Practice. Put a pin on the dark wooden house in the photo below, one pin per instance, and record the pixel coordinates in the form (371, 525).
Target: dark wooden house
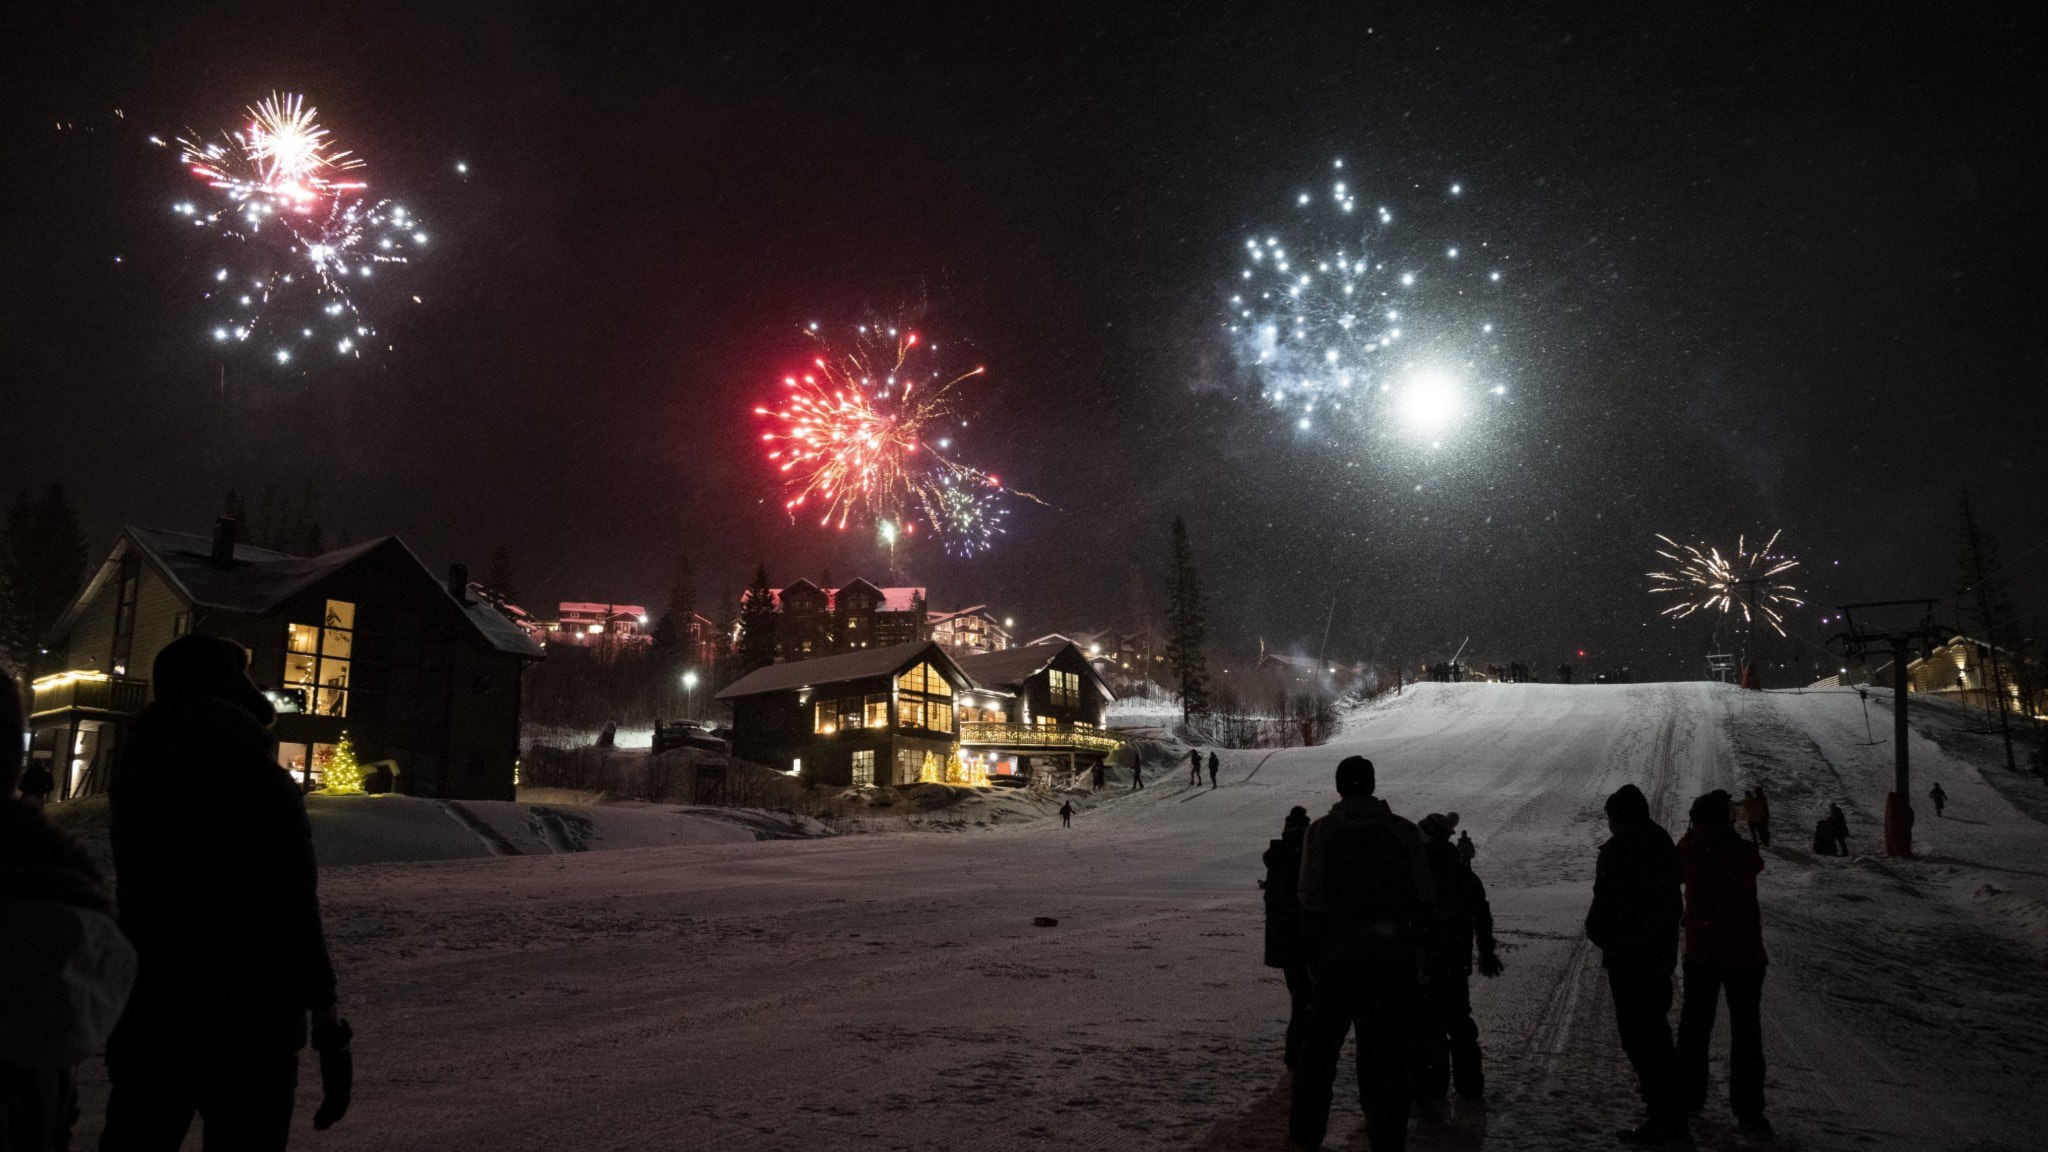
(871, 716)
(421, 674)
(1039, 709)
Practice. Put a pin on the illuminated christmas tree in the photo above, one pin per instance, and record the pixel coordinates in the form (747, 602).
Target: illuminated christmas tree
(343, 772)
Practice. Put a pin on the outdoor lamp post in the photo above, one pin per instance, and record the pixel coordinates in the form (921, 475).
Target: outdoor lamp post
(690, 692)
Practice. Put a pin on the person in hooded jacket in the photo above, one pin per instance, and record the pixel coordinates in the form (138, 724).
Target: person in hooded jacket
(1366, 893)
(64, 966)
(1724, 952)
(1634, 922)
(216, 881)
(1450, 1038)
(1285, 948)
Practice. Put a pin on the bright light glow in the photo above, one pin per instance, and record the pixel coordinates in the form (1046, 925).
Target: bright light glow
(1430, 401)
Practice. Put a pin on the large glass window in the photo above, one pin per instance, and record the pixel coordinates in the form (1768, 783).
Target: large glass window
(924, 700)
(926, 680)
(864, 768)
(877, 709)
(318, 658)
(826, 721)
(1066, 689)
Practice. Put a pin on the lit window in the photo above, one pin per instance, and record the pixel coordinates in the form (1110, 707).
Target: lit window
(317, 659)
(826, 718)
(877, 708)
(863, 768)
(1066, 689)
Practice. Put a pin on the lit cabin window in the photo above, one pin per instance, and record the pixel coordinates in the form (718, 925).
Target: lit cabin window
(924, 700)
(1066, 689)
(864, 768)
(318, 658)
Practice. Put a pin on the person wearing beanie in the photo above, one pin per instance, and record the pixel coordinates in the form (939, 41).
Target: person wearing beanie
(217, 887)
(1450, 1053)
(1724, 952)
(1366, 894)
(1284, 947)
(1634, 923)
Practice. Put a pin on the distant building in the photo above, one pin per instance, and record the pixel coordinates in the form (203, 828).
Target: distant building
(423, 676)
(916, 712)
(590, 623)
(973, 629)
(812, 621)
(1131, 655)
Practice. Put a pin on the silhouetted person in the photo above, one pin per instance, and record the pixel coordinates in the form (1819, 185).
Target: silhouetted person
(37, 783)
(1564, 673)
(217, 888)
(1724, 950)
(1137, 773)
(69, 968)
(1285, 948)
(1450, 1038)
(1838, 831)
(1212, 770)
(1195, 766)
(1466, 849)
(1067, 814)
(1760, 816)
(1634, 922)
(1100, 772)
(1939, 797)
(1366, 891)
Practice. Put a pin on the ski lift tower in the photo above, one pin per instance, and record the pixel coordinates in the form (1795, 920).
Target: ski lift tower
(1887, 624)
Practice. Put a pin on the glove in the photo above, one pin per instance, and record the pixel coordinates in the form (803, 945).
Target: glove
(1489, 964)
(337, 1072)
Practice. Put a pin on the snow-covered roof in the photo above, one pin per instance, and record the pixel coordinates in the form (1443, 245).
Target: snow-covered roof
(1009, 668)
(861, 665)
(260, 580)
(901, 599)
(594, 608)
(942, 617)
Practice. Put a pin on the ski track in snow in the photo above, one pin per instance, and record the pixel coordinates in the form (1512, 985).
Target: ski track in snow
(890, 992)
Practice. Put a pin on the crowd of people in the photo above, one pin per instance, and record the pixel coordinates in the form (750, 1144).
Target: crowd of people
(1378, 924)
(205, 986)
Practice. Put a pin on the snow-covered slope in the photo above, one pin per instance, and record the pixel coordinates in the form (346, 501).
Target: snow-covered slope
(892, 991)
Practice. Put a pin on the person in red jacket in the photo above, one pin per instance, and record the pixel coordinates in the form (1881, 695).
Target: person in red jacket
(1724, 950)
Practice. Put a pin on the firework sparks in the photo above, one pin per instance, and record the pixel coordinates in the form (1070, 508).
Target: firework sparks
(1346, 309)
(865, 436)
(1746, 581)
(300, 241)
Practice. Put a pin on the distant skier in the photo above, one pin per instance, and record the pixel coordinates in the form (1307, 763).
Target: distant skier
(1195, 767)
(1634, 922)
(1285, 948)
(1838, 830)
(1466, 849)
(1939, 797)
(1067, 814)
(1212, 770)
(1724, 954)
(1137, 773)
(1461, 918)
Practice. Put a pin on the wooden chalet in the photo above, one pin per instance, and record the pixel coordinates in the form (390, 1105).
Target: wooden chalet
(422, 675)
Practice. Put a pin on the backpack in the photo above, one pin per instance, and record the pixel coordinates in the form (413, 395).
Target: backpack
(67, 971)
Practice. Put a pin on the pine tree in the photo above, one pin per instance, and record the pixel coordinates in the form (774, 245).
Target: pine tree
(343, 773)
(42, 561)
(757, 623)
(1187, 630)
(1983, 605)
(499, 584)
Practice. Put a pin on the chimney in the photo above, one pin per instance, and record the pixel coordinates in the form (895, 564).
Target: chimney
(224, 541)
(458, 582)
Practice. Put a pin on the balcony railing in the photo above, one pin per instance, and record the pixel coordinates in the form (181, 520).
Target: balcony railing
(1065, 737)
(90, 692)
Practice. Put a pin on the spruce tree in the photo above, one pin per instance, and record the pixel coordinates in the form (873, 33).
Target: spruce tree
(757, 623)
(1984, 607)
(42, 562)
(498, 579)
(1187, 630)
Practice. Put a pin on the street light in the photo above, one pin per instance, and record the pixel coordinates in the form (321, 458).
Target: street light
(690, 692)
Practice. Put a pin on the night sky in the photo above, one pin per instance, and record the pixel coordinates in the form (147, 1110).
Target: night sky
(1774, 268)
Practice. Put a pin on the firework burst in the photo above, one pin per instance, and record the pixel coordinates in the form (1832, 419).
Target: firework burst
(1348, 308)
(1750, 582)
(299, 242)
(865, 436)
